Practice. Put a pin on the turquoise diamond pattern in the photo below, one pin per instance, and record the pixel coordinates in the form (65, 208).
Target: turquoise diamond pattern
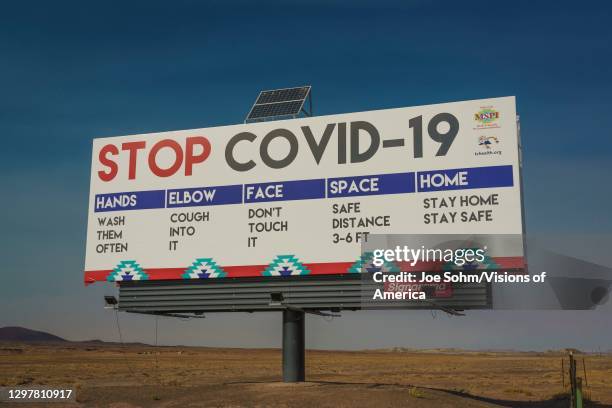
(204, 268)
(127, 271)
(285, 265)
(365, 264)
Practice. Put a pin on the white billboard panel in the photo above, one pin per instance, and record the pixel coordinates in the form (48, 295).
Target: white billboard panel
(299, 196)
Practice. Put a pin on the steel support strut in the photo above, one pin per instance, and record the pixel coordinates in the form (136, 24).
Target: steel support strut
(293, 345)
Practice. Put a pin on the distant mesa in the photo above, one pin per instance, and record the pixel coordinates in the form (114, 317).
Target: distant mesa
(21, 334)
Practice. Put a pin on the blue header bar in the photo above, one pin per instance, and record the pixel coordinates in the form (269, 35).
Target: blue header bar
(284, 191)
(202, 196)
(467, 178)
(396, 183)
(137, 200)
(378, 184)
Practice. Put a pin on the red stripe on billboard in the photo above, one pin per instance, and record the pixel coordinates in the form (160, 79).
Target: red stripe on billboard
(324, 268)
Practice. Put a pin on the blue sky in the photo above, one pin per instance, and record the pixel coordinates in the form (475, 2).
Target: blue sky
(73, 71)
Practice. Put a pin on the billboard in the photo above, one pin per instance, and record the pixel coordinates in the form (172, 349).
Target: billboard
(301, 196)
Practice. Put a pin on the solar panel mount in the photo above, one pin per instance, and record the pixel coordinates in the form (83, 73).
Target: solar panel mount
(281, 104)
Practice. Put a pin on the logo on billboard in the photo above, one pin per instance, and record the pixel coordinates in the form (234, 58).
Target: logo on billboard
(487, 146)
(486, 118)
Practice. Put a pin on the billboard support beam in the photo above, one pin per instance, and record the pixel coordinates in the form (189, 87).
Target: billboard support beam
(293, 345)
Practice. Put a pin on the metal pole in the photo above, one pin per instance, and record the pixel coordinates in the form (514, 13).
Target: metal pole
(293, 346)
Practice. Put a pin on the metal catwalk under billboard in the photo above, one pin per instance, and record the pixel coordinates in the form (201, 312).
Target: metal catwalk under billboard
(300, 196)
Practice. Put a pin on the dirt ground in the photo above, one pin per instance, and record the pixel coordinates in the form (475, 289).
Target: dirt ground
(143, 376)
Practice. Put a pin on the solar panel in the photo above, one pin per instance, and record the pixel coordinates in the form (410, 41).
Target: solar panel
(283, 95)
(279, 102)
(275, 109)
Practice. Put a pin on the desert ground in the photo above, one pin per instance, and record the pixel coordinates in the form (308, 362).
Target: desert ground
(144, 376)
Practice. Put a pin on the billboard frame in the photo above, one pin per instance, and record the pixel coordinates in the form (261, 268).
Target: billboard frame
(173, 298)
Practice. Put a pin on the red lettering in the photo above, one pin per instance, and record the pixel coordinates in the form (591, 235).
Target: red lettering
(190, 158)
(105, 161)
(133, 148)
(158, 171)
